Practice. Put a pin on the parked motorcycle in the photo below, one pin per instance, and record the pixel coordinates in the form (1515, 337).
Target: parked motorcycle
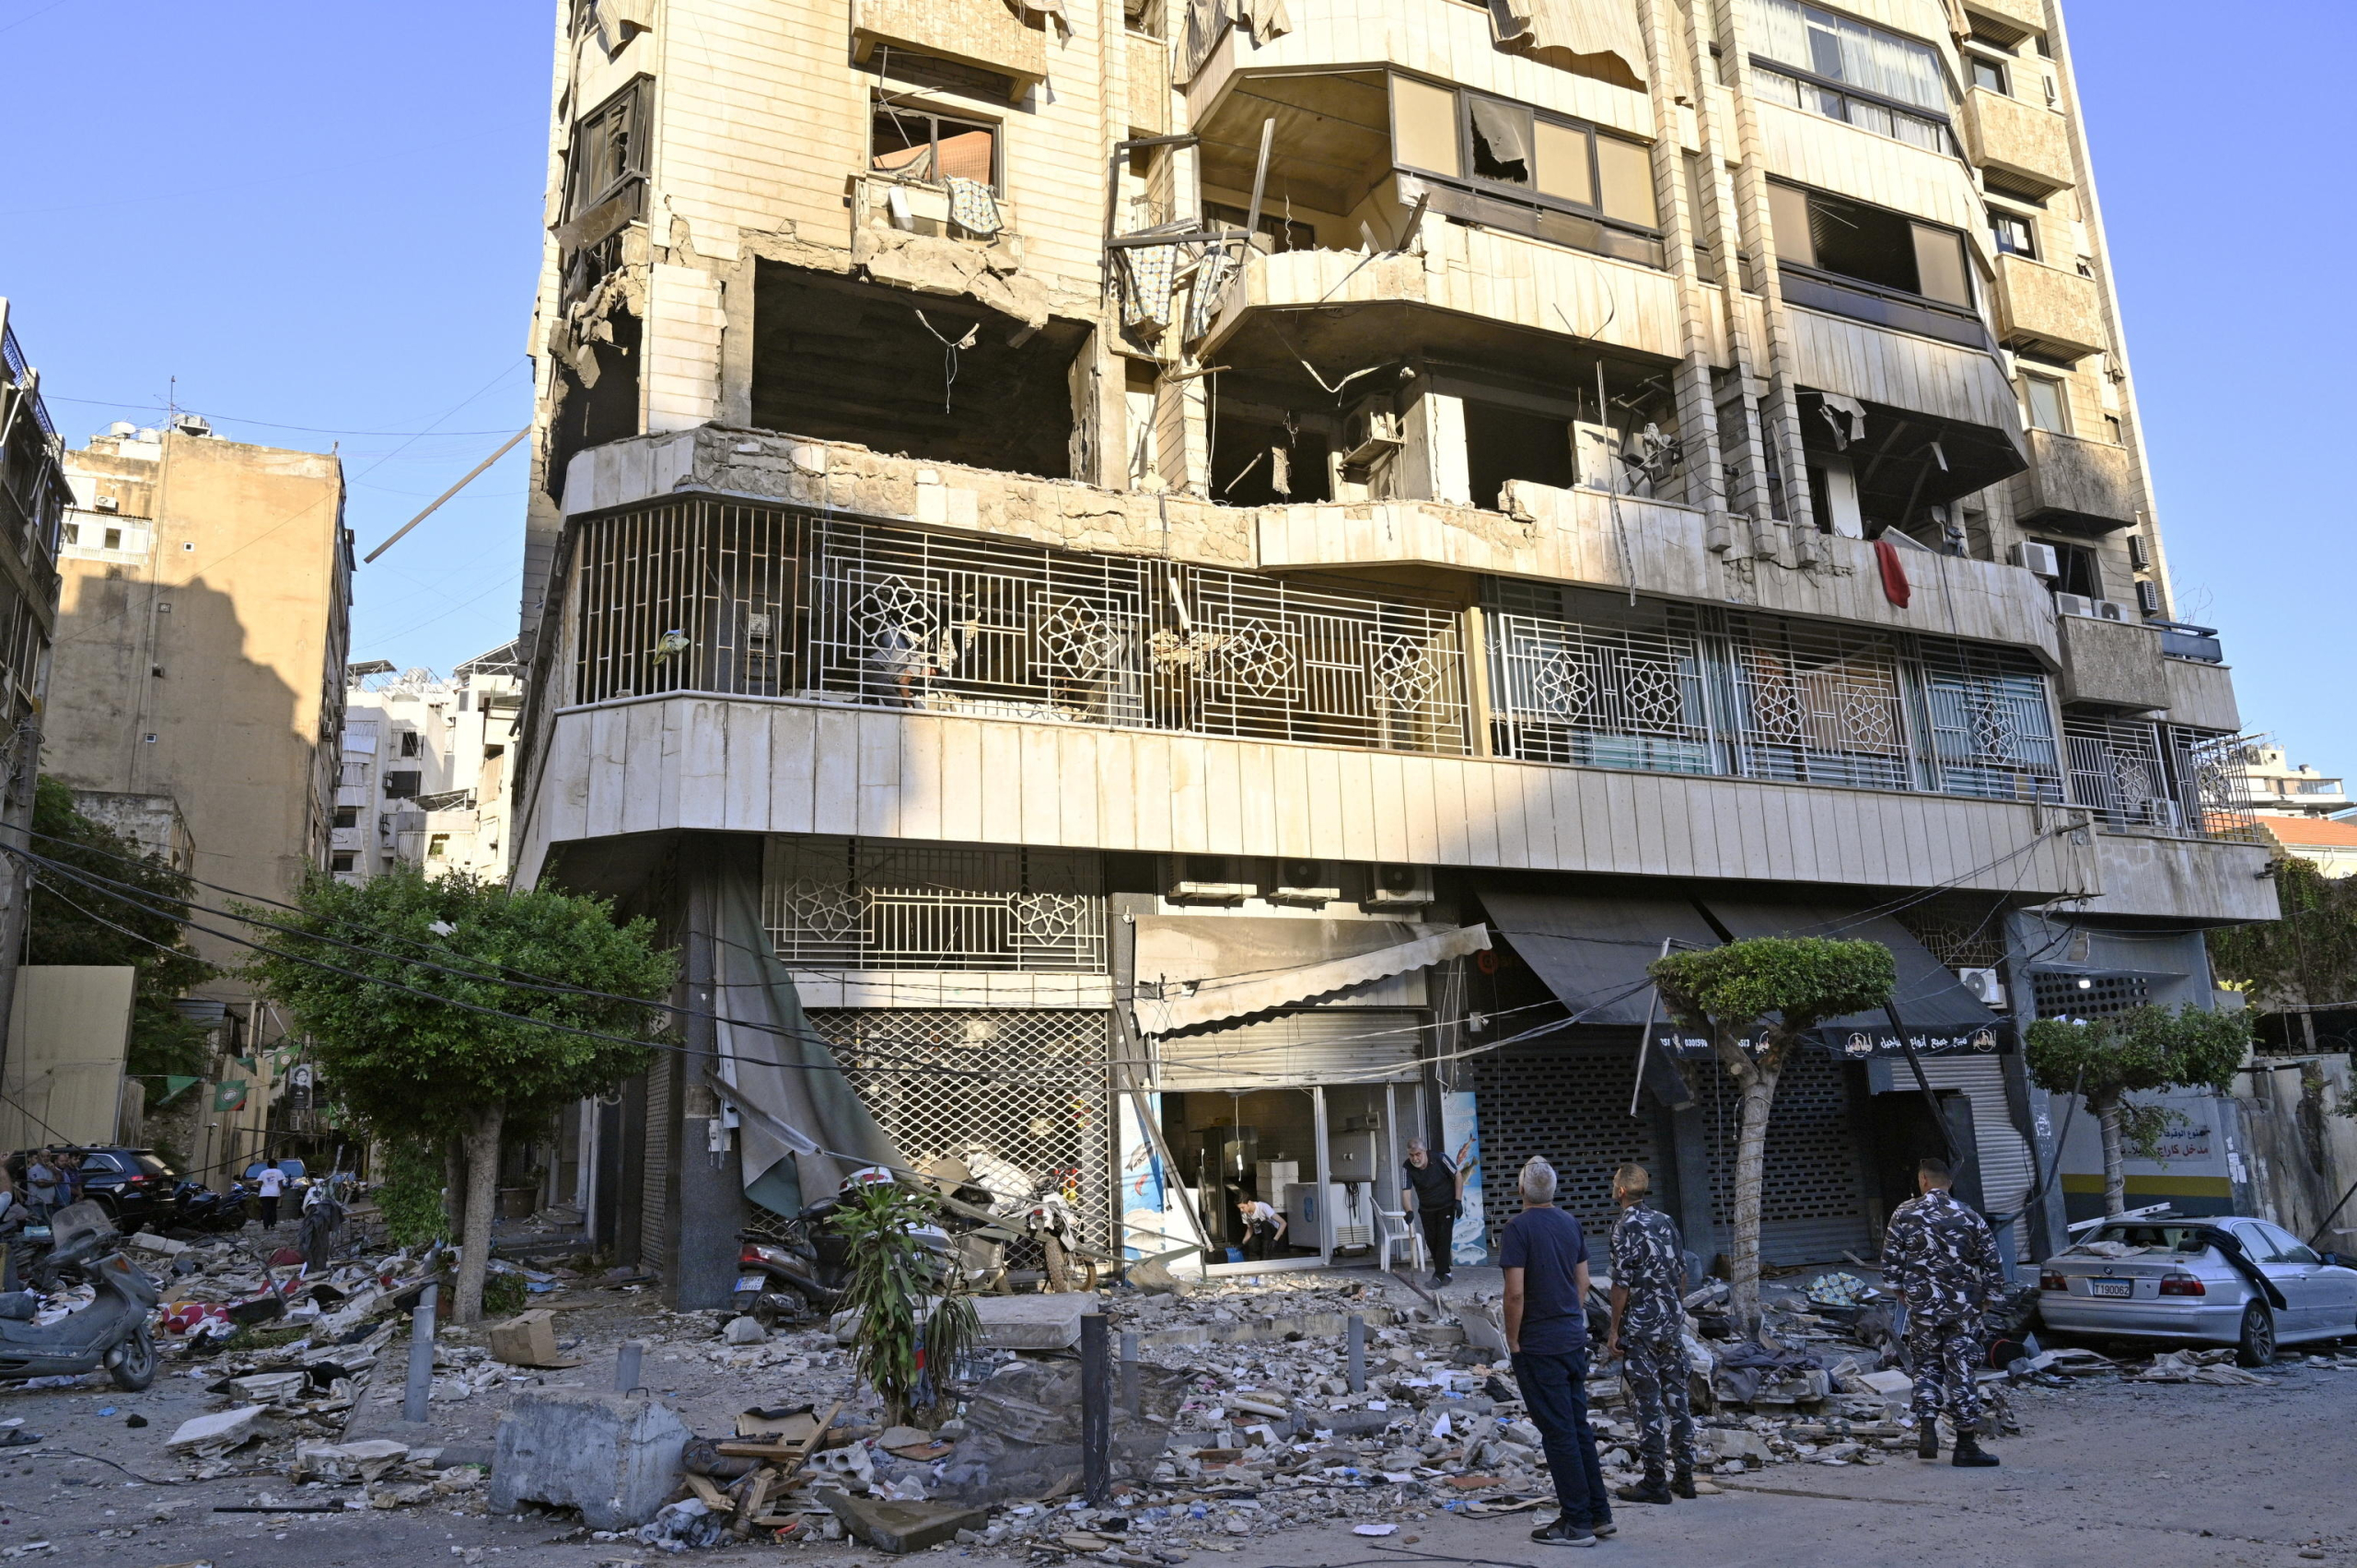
(1048, 1220)
(806, 1265)
(198, 1207)
(115, 1330)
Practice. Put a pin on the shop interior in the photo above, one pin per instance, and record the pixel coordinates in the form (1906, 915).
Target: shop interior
(1285, 1147)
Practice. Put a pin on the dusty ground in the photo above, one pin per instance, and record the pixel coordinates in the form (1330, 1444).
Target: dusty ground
(2104, 1473)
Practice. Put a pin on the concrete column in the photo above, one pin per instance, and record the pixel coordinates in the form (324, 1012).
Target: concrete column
(703, 1268)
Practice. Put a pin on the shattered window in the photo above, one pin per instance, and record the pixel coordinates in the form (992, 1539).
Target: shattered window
(914, 144)
(1501, 140)
(607, 150)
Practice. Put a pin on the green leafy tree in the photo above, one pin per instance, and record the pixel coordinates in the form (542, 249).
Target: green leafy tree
(411, 1066)
(1757, 1001)
(915, 1321)
(2148, 1050)
(2307, 955)
(69, 924)
(409, 1197)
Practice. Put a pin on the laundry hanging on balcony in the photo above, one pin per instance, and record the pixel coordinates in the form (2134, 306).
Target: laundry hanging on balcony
(1261, 21)
(972, 207)
(1598, 37)
(1895, 586)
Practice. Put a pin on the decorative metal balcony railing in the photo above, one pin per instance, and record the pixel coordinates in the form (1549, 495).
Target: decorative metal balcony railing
(1766, 698)
(2154, 778)
(706, 597)
(732, 599)
(868, 904)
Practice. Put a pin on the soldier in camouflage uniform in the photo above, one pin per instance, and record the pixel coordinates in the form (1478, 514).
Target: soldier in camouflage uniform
(1941, 1258)
(1649, 1333)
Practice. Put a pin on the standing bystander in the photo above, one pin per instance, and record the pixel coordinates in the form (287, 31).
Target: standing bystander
(1649, 1335)
(1439, 1190)
(269, 1185)
(1545, 1257)
(1944, 1262)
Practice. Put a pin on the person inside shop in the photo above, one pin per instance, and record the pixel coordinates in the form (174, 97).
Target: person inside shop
(1264, 1228)
(1438, 1187)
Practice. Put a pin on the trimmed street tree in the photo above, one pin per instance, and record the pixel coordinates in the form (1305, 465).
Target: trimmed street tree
(413, 1066)
(1757, 1001)
(2146, 1051)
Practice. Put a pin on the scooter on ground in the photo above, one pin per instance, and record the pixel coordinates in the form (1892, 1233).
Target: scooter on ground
(116, 1331)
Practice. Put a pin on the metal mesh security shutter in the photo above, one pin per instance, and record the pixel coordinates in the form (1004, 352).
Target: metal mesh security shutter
(1569, 1106)
(1811, 1202)
(655, 1208)
(1026, 1087)
(2007, 1171)
(1315, 1046)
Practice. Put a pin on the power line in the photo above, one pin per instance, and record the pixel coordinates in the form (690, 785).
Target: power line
(266, 424)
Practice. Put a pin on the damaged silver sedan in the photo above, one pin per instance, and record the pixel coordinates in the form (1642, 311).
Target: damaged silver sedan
(2227, 1279)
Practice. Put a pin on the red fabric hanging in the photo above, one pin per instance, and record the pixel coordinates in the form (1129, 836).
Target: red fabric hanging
(1894, 574)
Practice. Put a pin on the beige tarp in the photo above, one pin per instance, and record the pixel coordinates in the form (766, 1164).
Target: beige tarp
(1575, 33)
(1248, 994)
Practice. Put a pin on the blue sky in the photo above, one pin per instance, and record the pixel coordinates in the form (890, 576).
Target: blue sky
(328, 216)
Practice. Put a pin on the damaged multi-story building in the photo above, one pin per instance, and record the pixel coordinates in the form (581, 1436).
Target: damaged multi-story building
(1197, 590)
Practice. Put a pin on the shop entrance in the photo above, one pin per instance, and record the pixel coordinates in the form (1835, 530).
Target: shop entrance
(1326, 1157)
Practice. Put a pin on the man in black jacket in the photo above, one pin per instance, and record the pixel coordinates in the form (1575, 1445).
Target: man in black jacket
(1438, 1188)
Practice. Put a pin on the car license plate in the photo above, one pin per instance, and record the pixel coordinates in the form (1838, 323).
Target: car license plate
(751, 1282)
(2111, 1287)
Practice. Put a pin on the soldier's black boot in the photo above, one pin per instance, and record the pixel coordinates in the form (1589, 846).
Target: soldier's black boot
(1969, 1454)
(1681, 1483)
(1652, 1489)
(1927, 1440)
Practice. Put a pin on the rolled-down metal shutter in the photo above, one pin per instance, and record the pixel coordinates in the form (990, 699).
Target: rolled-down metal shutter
(1568, 1105)
(1812, 1195)
(2007, 1165)
(1313, 1046)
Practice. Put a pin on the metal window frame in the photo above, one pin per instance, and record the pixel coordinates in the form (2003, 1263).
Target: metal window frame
(635, 99)
(1524, 195)
(881, 103)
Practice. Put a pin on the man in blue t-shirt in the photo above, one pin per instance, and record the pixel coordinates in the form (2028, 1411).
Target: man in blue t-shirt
(1545, 1257)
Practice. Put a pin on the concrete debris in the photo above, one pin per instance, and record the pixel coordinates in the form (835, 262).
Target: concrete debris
(2198, 1367)
(901, 1527)
(745, 1331)
(614, 1456)
(209, 1437)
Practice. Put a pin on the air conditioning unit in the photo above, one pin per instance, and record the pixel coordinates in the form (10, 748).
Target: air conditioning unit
(2148, 598)
(2073, 604)
(107, 503)
(2112, 610)
(1595, 457)
(2037, 558)
(1987, 986)
(1370, 431)
(1399, 887)
(2137, 555)
(1308, 883)
(1207, 880)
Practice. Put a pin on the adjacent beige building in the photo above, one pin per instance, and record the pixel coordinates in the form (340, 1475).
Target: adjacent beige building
(1091, 506)
(199, 683)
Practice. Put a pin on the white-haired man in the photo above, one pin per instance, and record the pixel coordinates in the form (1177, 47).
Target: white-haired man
(1545, 1259)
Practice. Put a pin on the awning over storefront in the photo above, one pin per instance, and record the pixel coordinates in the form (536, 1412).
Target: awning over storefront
(1592, 949)
(1210, 970)
(1941, 1015)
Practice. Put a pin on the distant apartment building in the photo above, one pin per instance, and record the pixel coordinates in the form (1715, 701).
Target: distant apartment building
(197, 696)
(2263, 779)
(32, 507)
(1210, 584)
(424, 775)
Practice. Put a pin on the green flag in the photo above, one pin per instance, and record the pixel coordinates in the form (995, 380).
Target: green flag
(175, 1086)
(230, 1095)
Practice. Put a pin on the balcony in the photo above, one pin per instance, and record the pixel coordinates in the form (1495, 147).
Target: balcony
(1468, 287)
(976, 33)
(2138, 776)
(2058, 312)
(2115, 663)
(2027, 141)
(2202, 694)
(2090, 485)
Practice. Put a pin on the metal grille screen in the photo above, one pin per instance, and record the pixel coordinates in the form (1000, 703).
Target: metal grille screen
(1812, 1203)
(2064, 996)
(1024, 1087)
(1568, 1104)
(1320, 1045)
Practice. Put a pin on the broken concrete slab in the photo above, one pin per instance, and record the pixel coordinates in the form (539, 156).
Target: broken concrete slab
(901, 1527)
(1891, 1382)
(204, 1435)
(614, 1456)
(364, 1460)
(745, 1331)
(1033, 1322)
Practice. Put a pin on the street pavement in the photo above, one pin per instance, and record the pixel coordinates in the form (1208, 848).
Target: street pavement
(2107, 1474)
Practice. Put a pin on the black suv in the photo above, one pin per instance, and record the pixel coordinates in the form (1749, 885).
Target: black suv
(133, 1186)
